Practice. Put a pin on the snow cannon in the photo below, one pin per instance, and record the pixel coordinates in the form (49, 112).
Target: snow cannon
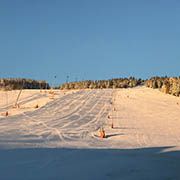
(16, 106)
(102, 133)
(37, 106)
(112, 125)
(6, 113)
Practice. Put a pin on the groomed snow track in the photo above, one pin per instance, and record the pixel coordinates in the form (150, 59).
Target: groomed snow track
(71, 119)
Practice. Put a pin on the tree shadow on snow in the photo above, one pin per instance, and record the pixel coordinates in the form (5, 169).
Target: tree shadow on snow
(61, 163)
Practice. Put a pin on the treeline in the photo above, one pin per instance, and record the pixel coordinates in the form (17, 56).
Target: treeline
(168, 85)
(103, 84)
(18, 83)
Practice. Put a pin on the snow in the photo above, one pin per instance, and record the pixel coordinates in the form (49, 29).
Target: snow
(60, 139)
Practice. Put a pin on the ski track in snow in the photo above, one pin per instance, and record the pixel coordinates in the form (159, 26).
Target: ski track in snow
(71, 118)
(60, 140)
(74, 119)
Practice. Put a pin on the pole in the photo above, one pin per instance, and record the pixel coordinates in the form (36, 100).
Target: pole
(67, 79)
(16, 103)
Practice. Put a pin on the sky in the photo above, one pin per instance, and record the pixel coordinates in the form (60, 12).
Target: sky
(89, 39)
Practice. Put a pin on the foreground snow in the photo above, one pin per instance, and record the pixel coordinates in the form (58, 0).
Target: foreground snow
(88, 164)
(60, 140)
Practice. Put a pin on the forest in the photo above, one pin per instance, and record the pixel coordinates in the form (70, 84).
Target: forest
(104, 84)
(20, 83)
(168, 85)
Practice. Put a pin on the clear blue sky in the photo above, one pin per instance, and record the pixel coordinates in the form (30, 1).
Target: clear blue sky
(89, 39)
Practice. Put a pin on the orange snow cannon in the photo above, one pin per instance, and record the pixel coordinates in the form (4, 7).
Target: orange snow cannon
(112, 125)
(36, 106)
(7, 113)
(102, 133)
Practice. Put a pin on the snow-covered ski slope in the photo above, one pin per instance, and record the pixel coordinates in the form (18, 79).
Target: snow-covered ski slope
(60, 140)
(141, 117)
(71, 120)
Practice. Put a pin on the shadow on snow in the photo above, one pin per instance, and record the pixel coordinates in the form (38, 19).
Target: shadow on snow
(62, 163)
